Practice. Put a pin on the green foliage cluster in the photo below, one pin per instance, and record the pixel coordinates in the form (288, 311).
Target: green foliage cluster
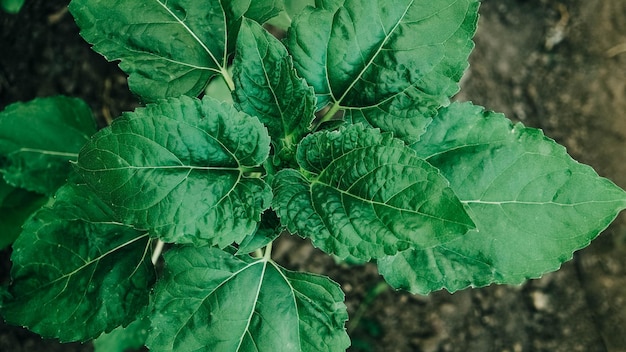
(342, 133)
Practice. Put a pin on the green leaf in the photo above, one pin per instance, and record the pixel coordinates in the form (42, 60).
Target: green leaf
(84, 273)
(533, 205)
(367, 195)
(123, 339)
(268, 87)
(11, 6)
(179, 168)
(39, 138)
(16, 205)
(210, 298)
(168, 48)
(389, 64)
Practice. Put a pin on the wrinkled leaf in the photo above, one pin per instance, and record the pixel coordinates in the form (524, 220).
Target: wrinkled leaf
(179, 168)
(39, 138)
(210, 298)
(533, 205)
(84, 273)
(16, 205)
(168, 48)
(390, 64)
(267, 87)
(367, 195)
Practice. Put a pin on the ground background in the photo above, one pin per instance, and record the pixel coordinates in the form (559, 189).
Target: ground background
(555, 65)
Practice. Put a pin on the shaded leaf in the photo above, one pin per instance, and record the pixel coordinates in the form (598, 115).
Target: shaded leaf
(533, 205)
(84, 273)
(179, 168)
(402, 57)
(210, 298)
(16, 205)
(168, 48)
(39, 138)
(268, 87)
(367, 195)
(11, 6)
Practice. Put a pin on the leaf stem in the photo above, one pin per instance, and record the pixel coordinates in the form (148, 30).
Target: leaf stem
(228, 79)
(329, 114)
(157, 251)
(268, 251)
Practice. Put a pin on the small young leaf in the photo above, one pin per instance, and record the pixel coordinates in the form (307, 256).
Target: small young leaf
(168, 48)
(16, 205)
(39, 138)
(211, 298)
(83, 273)
(532, 204)
(179, 168)
(267, 87)
(384, 60)
(368, 195)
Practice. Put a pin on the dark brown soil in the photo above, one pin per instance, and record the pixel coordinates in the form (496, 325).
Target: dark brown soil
(555, 65)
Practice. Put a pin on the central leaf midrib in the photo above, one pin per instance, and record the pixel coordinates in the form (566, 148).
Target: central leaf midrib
(377, 203)
(182, 167)
(373, 57)
(219, 64)
(90, 262)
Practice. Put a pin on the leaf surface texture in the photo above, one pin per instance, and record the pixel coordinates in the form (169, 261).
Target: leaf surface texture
(209, 297)
(389, 64)
(168, 48)
(367, 195)
(84, 274)
(178, 168)
(39, 138)
(533, 205)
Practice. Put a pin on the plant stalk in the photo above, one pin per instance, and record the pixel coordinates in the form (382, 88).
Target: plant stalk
(228, 79)
(329, 114)
(157, 251)
(268, 252)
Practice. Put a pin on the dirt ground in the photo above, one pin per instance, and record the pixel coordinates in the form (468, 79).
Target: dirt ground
(555, 65)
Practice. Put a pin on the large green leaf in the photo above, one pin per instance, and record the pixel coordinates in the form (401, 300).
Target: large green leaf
(367, 195)
(267, 87)
(179, 168)
(211, 300)
(39, 138)
(16, 205)
(390, 64)
(75, 272)
(168, 48)
(533, 205)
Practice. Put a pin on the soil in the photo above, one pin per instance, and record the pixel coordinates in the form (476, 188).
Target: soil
(555, 65)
